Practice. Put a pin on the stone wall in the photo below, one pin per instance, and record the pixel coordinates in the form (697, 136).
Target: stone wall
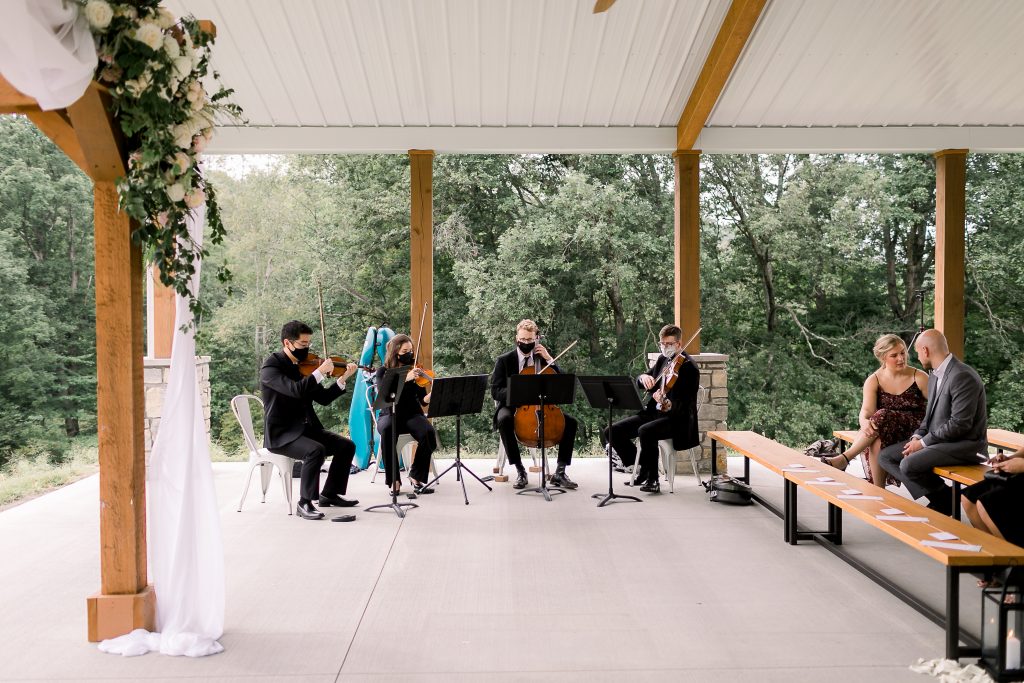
(714, 414)
(155, 375)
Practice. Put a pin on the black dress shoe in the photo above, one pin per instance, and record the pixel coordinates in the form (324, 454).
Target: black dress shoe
(521, 481)
(337, 501)
(307, 511)
(637, 480)
(651, 487)
(941, 502)
(420, 489)
(562, 480)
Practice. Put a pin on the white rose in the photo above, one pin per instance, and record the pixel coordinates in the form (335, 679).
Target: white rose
(182, 135)
(199, 143)
(150, 34)
(98, 13)
(139, 85)
(171, 47)
(175, 192)
(195, 198)
(195, 92)
(165, 18)
(182, 67)
(182, 162)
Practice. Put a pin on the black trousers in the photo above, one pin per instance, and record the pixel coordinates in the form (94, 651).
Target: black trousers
(507, 431)
(650, 428)
(312, 448)
(419, 427)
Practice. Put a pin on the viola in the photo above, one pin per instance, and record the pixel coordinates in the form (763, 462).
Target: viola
(527, 418)
(669, 375)
(424, 377)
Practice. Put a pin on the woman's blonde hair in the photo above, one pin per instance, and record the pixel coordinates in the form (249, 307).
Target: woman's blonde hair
(885, 344)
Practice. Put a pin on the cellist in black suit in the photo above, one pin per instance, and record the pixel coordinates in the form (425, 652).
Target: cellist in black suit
(667, 415)
(528, 353)
(291, 426)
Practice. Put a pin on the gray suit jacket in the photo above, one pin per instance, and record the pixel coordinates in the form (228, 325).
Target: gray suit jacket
(955, 419)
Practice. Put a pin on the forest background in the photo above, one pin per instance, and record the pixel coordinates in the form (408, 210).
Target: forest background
(805, 260)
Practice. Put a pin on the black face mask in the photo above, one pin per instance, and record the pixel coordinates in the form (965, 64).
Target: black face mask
(300, 354)
(406, 358)
(526, 347)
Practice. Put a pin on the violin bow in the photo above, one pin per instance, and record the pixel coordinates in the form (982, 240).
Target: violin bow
(419, 335)
(323, 330)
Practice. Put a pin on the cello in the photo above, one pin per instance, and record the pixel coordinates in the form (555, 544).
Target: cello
(528, 418)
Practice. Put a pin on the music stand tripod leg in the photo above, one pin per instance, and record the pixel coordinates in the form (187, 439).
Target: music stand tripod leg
(611, 495)
(457, 465)
(394, 505)
(543, 489)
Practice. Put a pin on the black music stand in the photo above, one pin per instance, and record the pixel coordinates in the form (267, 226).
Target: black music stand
(541, 390)
(458, 396)
(388, 391)
(613, 393)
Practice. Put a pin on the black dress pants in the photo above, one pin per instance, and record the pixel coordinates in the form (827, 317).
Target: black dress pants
(507, 431)
(419, 427)
(650, 428)
(312, 448)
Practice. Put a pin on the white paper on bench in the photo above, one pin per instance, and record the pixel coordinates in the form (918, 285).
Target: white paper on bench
(799, 469)
(796, 465)
(849, 497)
(824, 479)
(944, 536)
(953, 546)
(900, 518)
(851, 492)
(825, 483)
(892, 511)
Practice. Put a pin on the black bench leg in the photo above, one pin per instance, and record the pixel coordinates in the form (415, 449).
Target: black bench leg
(953, 613)
(835, 524)
(789, 517)
(956, 500)
(714, 458)
(746, 469)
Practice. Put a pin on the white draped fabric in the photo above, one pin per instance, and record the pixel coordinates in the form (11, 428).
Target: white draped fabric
(186, 552)
(46, 50)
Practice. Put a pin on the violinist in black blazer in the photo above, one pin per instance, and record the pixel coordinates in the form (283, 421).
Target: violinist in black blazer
(528, 353)
(408, 415)
(676, 418)
(291, 426)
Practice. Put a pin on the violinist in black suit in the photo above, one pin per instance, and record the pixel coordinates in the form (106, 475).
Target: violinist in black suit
(408, 416)
(528, 353)
(667, 415)
(291, 426)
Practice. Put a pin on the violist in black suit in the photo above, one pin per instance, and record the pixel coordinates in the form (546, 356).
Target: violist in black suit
(671, 414)
(291, 426)
(528, 353)
(408, 416)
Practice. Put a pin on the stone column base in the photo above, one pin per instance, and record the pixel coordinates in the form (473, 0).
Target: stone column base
(115, 615)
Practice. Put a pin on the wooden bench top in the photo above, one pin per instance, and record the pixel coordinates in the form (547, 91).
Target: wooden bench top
(771, 454)
(1001, 438)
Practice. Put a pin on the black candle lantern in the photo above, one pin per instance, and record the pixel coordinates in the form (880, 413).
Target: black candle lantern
(1002, 631)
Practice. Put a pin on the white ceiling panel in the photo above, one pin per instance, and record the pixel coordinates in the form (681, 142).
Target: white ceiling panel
(880, 63)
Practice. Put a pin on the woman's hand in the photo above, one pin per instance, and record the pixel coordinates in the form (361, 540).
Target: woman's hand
(411, 375)
(426, 399)
(1010, 466)
(871, 431)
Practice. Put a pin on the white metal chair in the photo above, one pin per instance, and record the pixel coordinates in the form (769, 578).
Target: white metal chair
(259, 456)
(669, 453)
(499, 466)
(406, 446)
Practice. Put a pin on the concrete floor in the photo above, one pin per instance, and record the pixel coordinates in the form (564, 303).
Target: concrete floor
(510, 588)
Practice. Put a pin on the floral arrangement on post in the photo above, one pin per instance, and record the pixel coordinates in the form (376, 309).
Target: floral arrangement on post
(154, 66)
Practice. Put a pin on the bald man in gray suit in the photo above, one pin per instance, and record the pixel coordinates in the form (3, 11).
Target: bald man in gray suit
(953, 431)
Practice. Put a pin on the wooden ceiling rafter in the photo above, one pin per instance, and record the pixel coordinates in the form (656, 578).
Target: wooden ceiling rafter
(732, 37)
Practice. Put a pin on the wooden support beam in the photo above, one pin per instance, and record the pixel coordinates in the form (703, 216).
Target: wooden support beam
(13, 101)
(124, 601)
(687, 245)
(732, 37)
(950, 207)
(99, 136)
(421, 251)
(56, 126)
(160, 316)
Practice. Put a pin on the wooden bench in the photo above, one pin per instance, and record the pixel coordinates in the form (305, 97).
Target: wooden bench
(995, 553)
(959, 475)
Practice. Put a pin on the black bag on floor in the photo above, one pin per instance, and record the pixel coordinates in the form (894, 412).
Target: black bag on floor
(724, 489)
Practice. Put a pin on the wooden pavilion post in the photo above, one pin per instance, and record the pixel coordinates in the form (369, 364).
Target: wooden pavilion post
(687, 245)
(421, 252)
(950, 209)
(160, 316)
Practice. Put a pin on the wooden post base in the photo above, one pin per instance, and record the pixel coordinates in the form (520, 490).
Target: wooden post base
(501, 478)
(115, 615)
(534, 468)
(495, 470)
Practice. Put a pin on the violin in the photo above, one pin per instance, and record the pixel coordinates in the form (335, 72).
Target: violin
(527, 418)
(669, 375)
(313, 361)
(424, 377)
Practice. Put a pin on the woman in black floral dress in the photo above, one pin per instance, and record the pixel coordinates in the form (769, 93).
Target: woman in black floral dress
(894, 402)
